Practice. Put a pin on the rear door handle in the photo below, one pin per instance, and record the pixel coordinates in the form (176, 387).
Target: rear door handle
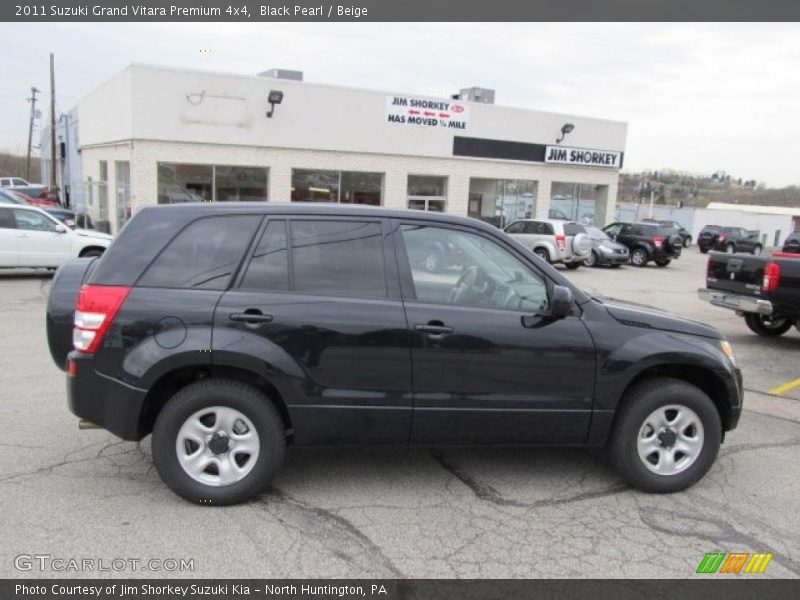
(251, 317)
(433, 329)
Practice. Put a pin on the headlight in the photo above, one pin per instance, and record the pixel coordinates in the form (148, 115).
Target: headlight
(726, 347)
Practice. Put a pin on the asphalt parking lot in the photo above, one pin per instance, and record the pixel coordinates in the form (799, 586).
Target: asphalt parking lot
(394, 512)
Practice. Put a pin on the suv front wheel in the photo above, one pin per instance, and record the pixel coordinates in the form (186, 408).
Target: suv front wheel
(666, 435)
(218, 442)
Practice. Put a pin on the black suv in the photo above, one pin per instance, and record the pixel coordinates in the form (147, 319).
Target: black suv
(646, 242)
(686, 235)
(792, 243)
(231, 330)
(729, 239)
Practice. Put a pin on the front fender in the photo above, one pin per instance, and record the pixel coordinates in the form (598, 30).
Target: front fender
(621, 366)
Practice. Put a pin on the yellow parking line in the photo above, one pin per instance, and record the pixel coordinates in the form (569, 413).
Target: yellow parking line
(785, 387)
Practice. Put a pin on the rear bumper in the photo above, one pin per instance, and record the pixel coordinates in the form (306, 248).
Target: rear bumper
(737, 302)
(107, 402)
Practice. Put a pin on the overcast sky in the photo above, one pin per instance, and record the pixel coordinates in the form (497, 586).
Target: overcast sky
(697, 97)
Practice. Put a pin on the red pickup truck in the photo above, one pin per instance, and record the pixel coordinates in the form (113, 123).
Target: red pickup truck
(765, 290)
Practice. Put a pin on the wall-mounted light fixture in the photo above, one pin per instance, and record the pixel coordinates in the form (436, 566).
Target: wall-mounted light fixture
(275, 97)
(565, 129)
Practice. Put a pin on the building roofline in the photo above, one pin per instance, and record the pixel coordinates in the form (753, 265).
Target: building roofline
(351, 88)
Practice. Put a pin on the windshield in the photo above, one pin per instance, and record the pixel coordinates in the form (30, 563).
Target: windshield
(597, 234)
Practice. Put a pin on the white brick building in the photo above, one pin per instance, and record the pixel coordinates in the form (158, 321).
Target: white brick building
(153, 134)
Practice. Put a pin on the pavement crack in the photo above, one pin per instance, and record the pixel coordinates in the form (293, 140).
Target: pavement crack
(716, 531)
(338, 535)
(484, 491)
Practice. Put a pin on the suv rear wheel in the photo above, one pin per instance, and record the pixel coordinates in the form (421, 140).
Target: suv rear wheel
(639, 257)
(767, 326)
(543, 254)
(730, 248)
(218, 441)
(666, 435)
(687, 241)
(591, 260)
(757, 249)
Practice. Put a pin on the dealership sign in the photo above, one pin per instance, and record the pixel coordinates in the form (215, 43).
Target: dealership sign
(427, 112)
(563, 155)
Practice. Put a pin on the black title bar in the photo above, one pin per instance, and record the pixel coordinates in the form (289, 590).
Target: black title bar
(401, 10)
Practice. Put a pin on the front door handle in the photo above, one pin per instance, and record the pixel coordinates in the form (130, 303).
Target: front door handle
(434, 328)
(251, 316)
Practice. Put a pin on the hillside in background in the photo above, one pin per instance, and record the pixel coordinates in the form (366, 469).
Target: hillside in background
(14, 166)
(688, 189)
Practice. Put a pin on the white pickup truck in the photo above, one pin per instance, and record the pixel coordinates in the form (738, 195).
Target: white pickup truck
(29, 237)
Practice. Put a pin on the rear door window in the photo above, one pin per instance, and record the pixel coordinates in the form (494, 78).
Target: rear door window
(204, 255)
(269, 266)
(517, 227)
(338, 258)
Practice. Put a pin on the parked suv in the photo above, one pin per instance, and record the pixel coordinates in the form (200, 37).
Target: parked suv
(792, 243)
(231, 330)
(686, 235)
(729, 239)
(647, 242)
(553, 240)
(30, 237)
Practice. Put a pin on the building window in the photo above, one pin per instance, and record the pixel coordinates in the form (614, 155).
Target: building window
(179, 183)
(240, 184)
(501, 201)
(584, 202)
(122, 178)
(346, 187)
(427, 193)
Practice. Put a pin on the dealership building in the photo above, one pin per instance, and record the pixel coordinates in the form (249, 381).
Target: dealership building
(162, 135)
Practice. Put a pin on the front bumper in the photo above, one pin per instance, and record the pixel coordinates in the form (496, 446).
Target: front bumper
(614, 258)
(103, 400)
(737, 302)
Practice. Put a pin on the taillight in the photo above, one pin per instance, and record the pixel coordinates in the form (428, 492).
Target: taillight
(722, 237)
(97, 306)
(561, 242)
(657, 239)
(772, 274)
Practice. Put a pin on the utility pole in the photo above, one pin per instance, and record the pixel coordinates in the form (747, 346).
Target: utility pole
(32, 100)
(53, 180)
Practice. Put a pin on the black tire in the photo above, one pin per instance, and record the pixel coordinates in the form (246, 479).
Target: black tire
(757, 249)
(640, 402)
(663, 262)
(246, 399)
(703, 250)
(639, 257)
(542, 253)
(616, 266)
(592, 260)
(730, 248)
(574, 265)
(687, 241)
(91, 252)
(433, 261)
(767, 326)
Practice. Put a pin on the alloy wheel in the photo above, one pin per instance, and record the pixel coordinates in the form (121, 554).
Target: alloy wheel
(670, 439)
(217, 446)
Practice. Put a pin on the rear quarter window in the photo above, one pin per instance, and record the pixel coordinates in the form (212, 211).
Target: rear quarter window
(204, 255)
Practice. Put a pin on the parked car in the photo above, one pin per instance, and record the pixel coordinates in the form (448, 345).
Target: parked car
(29, 237)
(686, 235)
(8, 197)
(792, 243)
(230, 330)
(553, 240)
(70, 219)
(646, 242)
(605, 251)
(34, 190)
(729, 239)
(765, 290)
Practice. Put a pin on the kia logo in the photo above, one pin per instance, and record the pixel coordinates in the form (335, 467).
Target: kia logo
(457, 108)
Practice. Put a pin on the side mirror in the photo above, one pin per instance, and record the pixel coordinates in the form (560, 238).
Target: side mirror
(561, 303)
(59, 228)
